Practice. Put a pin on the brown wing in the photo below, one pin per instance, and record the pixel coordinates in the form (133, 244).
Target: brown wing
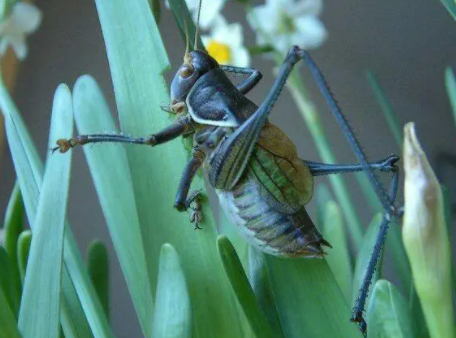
(286, 181)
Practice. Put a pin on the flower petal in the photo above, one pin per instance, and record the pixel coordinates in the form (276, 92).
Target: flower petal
(307, 7)
(26, 16)
(311, 32)
(241, 58)
(20, 48)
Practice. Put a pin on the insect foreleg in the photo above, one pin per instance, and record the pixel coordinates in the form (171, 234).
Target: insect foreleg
(357, 315)
(179, 127)
(245, 86)
(319, 169)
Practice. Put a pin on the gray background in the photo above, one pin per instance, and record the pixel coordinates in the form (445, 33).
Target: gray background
(406, 43)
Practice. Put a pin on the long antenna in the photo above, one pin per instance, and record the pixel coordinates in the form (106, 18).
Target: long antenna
(195, 46)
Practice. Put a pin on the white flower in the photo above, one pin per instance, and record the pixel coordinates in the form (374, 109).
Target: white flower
(23, 20)
(284, 23)
(226, 43)
(209, 11)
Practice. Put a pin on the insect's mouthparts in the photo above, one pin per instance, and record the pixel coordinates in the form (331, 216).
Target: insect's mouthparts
(178, 107)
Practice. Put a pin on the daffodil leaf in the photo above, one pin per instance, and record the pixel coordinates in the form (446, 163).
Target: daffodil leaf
(172, 315)
(386, 108)
(184, 22)
(7, 319)
(43, 278)
(322, 196)
(338, 257)
(140, 90)
(239, 243)
(29, 170)
(242, 288)
(259, 279)
(388, 313)
(156, 10)
(98, 267)
(73, 320)
(450, 7)
(115, 191)
(305, 293)
(14, 222)
(364, 256)
(23, 249)
(5, 279)
(450, 83)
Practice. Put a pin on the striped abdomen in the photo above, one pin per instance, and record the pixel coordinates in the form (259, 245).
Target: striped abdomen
(271, 231)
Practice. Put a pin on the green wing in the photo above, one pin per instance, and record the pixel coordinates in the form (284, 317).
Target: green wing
(286, 182)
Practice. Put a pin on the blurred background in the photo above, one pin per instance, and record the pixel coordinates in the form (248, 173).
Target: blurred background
(407, 44)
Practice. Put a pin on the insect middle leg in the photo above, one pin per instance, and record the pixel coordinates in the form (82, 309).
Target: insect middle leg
(184, 199)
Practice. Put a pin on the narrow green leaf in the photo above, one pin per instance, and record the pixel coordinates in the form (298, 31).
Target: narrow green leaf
(8, 326)
(450, 83)
(259, 279)
(5, 279)
(43, 277)
(338, 257)
(242, 288)
(364, 256)
(23, 249)
(323, 196)
(388, 313)
(184, 22)
(306, 294)
(172, 316)
(450, 7)
(156, 9)
(13, 225)
(239, 243)
(73, 320)
(29, 170)
(386, 108)
(98, 267)
(115, 192)
(128, 27)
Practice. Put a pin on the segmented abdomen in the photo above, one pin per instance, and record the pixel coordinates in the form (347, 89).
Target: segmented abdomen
(270, 231)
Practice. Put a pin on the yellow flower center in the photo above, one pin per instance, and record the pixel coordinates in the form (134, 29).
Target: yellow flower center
(219, 51)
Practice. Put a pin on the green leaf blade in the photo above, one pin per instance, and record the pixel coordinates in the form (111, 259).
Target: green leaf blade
(8, 324)
(364, 256)
(172, 316)
(306, 292)
(338, 257)
(29, 170)
(450, 84)
(14, 222)
(43, 278)
(242, 289)
(388, 313)
(115, 192)
(128, 27)
(98, 267)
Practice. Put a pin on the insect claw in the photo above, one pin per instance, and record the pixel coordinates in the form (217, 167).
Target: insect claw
(325, 243)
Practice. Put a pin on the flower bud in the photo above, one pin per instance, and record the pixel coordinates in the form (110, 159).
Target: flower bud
(425, 238)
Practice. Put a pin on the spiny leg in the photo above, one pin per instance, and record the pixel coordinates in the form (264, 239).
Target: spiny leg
(234, 154)
(179, 127)
(386, 201)
(357, 315)
(249, 83)
(319, 169)
(183, 198)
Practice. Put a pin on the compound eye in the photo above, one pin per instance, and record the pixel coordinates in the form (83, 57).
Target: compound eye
(186, 70)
